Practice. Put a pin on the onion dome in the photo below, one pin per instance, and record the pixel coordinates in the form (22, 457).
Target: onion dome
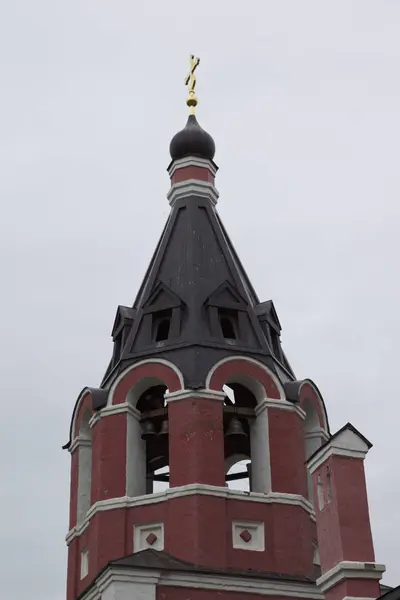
(192, 141)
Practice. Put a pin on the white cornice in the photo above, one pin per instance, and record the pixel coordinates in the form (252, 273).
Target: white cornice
(350, 570)
(317, 433)
(345, 443)
(191, 161)
(219, 582)
(192, 187)
(190, 490)
(79, 442)
(281, 404)
(318, 460)
(185, 394)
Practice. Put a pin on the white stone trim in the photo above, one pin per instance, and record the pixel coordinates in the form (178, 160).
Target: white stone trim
(317, 433)
(281, 404)
(193, 187)
(185, 394)
(140, 532)
(121, 376)
(347, 444)
(230, 583)
(190, 490)
(249, 360)
(255, 529)
(320, 401)
(350, 570)
(357, 598)
(191, 161)
(79, 441)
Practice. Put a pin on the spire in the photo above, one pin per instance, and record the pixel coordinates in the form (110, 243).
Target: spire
(192, 140)
(196, 304)
(190, 81)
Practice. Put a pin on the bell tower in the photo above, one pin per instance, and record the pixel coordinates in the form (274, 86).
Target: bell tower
(197, 383)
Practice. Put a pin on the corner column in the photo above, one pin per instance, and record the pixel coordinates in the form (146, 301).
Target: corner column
(343, 525)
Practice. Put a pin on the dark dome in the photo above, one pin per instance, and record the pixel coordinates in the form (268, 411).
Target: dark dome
(192, 141)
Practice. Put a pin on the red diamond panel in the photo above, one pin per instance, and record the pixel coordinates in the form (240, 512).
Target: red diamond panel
(245, 535)
(151, 538)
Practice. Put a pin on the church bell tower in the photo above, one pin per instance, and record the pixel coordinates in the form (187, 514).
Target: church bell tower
(198, 382)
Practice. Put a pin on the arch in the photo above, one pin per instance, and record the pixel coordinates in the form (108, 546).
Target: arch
(309, 395)
(260, 384)
(142, 375)
(248, 372)
(97, 399)
(83, 404)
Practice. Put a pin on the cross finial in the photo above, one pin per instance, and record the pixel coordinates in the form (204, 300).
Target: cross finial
(190, 81)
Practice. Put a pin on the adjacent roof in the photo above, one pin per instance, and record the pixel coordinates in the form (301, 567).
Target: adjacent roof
(160, 560)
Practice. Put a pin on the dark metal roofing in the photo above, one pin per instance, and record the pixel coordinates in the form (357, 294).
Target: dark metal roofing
(195, 260)
(161, 560)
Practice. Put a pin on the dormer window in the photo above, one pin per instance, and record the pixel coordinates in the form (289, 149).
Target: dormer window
(276, 346)
(228, 321)
(162, 325)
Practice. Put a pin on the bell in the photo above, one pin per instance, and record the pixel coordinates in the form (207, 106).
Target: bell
(164, 428)
(148, 430)
(235, 429)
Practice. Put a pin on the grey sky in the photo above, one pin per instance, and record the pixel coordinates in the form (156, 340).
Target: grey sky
(302, 98)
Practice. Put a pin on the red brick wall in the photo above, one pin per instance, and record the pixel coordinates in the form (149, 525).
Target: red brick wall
(196, 442)
(109, 458)
(192, 172)
(344, 530)
(356, 588)
(287, 454)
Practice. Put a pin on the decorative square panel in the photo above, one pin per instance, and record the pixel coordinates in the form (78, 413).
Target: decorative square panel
(248, 535)
(150, 535)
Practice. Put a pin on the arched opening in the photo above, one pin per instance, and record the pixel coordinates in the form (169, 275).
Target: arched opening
(154, 432)
(239, 416)
(84, 466)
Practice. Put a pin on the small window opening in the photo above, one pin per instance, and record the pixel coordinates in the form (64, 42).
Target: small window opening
(276, 348)
(320, 493)
(328, 486)
(162, 325)
(163, 330)
(229, 324)
(84, 563)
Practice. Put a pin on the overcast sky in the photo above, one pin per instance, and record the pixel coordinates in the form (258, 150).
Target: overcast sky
(302, 98)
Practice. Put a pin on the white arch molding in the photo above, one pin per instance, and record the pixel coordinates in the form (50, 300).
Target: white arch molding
(159, 361)
(258, 389)
(135, 482)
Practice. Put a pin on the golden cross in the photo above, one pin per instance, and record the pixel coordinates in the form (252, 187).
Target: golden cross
(190, 81)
